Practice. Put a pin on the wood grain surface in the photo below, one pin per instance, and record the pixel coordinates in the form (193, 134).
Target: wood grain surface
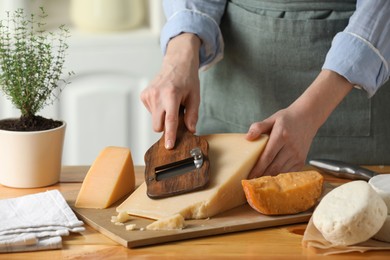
(281, 242)
(238, 219)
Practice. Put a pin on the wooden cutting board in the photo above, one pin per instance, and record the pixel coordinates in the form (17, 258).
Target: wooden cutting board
(238, 219)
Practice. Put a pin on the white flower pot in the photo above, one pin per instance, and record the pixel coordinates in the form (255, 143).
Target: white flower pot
(31, 159)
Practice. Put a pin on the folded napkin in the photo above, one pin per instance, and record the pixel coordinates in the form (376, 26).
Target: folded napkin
(313, 238)
(36, 222)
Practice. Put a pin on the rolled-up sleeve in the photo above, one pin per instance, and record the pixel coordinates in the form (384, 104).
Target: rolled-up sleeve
(361, 53)
(199, 17)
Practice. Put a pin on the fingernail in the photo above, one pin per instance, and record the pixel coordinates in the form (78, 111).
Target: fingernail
(193, 127)
(169, 144)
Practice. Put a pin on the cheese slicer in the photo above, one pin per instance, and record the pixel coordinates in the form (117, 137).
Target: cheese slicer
(183, 169)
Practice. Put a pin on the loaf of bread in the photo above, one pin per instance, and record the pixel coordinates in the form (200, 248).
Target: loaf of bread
(286, 193)
(350, 214)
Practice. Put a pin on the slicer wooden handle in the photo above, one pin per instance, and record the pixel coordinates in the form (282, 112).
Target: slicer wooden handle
(158, 157)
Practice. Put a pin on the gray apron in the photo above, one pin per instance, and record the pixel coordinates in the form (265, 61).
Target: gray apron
(273, 52)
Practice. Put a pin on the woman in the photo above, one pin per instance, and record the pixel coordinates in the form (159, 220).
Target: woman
(270, 78)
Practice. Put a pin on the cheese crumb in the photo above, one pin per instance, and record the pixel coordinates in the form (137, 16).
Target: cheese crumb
(120, 219)
(169, 223)
(130, 227)
(123, 217)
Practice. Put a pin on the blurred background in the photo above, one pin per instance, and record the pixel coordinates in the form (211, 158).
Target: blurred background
(114, 52)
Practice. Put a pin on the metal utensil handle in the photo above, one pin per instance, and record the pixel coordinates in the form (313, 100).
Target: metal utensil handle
(343, 169)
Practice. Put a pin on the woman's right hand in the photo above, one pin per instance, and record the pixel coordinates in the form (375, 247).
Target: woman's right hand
(176, 84)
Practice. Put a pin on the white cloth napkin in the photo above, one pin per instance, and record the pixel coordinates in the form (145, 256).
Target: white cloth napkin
(36, 222)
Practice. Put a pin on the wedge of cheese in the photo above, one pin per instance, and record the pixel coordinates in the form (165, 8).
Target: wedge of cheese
(286, 193)
(231, 159)
(110, 178)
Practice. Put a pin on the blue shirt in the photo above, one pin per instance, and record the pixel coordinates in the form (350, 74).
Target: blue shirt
(360, 53)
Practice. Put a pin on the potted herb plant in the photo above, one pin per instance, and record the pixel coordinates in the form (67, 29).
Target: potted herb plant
(31, 77)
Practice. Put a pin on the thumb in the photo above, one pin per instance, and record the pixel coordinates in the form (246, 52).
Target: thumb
(259, 128)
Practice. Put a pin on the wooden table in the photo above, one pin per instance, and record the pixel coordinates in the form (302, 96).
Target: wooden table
(267, 243)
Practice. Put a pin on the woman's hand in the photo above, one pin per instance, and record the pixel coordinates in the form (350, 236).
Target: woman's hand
(292, 130)
(290, 137)
(176, 84)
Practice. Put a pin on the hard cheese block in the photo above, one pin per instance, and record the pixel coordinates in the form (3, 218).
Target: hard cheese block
(286, 193)
(231, 159)
(110, 177)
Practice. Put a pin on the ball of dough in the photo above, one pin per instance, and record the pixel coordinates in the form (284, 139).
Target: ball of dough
(381, 184)
(350, 214)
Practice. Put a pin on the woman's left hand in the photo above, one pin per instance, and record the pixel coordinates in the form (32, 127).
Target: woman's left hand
(291, 130)
(290, 138)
